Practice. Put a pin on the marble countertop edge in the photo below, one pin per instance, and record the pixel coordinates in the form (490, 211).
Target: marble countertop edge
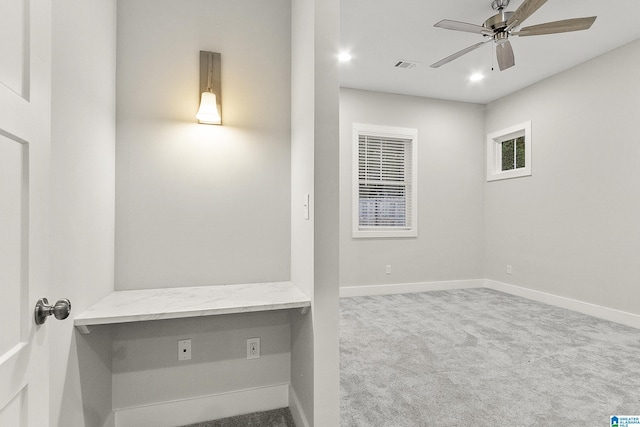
(127, 318)
(188, 302)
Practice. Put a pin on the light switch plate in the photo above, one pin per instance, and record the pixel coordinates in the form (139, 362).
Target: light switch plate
(306, 206)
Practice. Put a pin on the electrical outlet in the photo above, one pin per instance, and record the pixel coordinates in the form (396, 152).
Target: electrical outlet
(253, 348)
(184, 350)
(508, 269)
(388, 269)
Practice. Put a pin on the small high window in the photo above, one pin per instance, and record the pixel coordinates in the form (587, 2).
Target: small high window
(384, 181)
(513, 154)
(509, 152)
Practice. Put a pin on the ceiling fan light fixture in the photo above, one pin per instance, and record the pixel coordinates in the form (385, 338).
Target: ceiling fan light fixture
(500, 26)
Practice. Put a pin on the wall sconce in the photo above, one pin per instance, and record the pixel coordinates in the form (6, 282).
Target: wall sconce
(210, 111)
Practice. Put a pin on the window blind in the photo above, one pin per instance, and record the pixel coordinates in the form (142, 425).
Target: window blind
(384, 182)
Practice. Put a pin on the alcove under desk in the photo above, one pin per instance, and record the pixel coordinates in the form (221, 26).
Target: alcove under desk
(184, 302)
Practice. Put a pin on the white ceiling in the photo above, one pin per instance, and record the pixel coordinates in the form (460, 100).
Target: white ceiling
(378, 33)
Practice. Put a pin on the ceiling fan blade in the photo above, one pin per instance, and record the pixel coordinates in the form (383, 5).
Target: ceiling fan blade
(463, 26)
(525, 10)
(564, 26)
(458, 54)
(504, 52)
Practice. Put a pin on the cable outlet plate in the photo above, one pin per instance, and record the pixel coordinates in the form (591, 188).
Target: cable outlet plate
(253, 348)
(184, 350)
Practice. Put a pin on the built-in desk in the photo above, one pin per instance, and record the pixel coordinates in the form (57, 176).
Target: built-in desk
(177, 303)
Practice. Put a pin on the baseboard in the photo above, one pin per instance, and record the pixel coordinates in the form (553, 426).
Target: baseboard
(295, 407)
(594, 310)
(110, 422)
(204, 408)
(408, 288)
(601, 312)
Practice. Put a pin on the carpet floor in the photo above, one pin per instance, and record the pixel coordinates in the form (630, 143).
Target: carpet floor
(478, 357)
(275, 418)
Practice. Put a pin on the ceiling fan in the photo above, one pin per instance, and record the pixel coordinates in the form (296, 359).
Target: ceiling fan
(501, 26)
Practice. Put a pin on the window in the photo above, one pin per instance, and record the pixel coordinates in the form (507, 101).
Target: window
(513, 154)
(509, 152)
(384, 181)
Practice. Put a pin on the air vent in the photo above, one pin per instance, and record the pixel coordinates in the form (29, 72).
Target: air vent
(405, 64)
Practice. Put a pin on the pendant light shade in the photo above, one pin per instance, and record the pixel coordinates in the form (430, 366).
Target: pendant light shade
(208, 112)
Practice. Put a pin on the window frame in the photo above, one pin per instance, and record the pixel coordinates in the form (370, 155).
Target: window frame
(494, 152)
(378, 131)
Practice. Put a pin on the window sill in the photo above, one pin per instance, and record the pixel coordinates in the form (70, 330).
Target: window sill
(496, 176)
(382, 234)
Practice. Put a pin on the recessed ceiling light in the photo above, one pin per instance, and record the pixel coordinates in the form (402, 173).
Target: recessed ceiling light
(476, 77)
(344, 57)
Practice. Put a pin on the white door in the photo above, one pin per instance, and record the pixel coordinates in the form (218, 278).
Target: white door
(25, 111)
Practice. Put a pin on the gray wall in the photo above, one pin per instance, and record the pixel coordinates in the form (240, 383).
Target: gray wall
(302, 181)
(568, 230)
(571, 229)
(146, 369)
(451, 192)
(201, 205)
(314, 165)
(197, 204)
(82, 185)
(325, 210)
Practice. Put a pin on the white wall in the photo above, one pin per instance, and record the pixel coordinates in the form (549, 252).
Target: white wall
(195, 204)
(82, 204)
(571, 229)
(449, 245)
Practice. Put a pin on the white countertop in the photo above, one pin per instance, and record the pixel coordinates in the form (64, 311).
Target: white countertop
(174, 303)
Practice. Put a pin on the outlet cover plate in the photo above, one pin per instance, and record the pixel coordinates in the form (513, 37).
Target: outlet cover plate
(184, 350)
(253, 348)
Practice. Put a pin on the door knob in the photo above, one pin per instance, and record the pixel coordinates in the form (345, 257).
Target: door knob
(60, 310)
